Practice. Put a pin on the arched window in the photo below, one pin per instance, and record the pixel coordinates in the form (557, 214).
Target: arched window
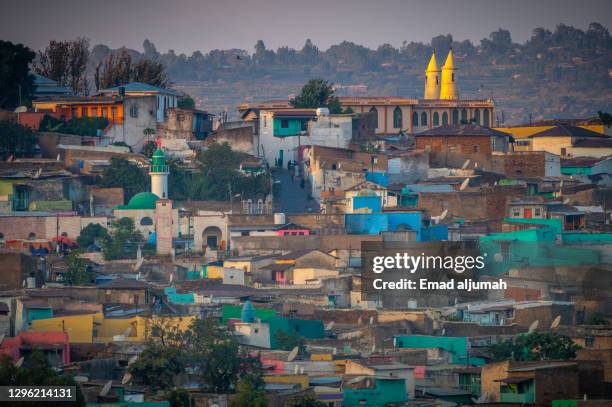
(375, 111)
(444, 119)
(464, 115)
(455, 116)
(437, 80)
(477, 116)
(485, 118)
(397, 117)
(415, 119)
(146, 221)
(436, 119)
(423, 119)
(453, 77)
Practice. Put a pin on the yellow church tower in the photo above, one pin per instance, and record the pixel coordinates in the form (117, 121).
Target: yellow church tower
(448, 89)
(432, 79)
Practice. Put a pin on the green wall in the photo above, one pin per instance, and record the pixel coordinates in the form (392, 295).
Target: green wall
(293, 129)
(385, 391)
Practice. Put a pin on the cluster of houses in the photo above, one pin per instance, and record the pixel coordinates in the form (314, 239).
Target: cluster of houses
(537, 199)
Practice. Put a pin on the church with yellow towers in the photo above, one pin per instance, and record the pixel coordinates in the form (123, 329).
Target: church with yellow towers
(440, 105)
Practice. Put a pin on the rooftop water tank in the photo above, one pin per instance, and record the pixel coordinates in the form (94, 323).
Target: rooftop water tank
(322, 111)
(279, 218)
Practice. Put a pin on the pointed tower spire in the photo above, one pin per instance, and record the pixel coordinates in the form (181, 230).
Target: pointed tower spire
(448, 89)
(432, 79)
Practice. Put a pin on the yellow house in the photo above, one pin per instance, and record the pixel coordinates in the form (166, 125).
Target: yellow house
(522, 134)
(94, 328)
(572, 141)
(302, 379)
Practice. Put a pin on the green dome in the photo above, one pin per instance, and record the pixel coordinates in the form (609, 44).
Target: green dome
(142, 200)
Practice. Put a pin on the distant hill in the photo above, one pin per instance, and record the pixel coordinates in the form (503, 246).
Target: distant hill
(566, 73)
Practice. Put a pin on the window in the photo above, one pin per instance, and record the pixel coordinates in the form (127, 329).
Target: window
(476, 148)
(134, 110)
(444, 119)
(453, 77)
(415, 119)
(516, 212)
(436, 119)
(146, 221)
(455, 116)
(537, 212)
(464, 115)
(104, 111)
(589, 341)
(477, 116)
(375, 111)
(284, 124)
(423, 119)
(523, 143)
(93, 112)
(180, 117)
(397, 117)
(83, 112)
(485, 118)
(265, 121)
(437, 82)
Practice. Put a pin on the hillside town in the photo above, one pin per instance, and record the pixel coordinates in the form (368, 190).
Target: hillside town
(154, 254)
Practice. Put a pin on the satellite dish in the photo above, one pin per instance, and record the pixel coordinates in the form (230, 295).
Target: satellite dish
(106, 388)
(372, 320)
(356, 380)
(464, 184)
(19, 362)
(566, 201)
(533, 326)
(21, 109)
(444, 214)
(335, 351)
(330, 326)
(132, 360)
(465, 164)
(58, 157)
(301, 369)
(126, 378)
(171, 279)
(555, 322)
(292, 354)
(373, 347)
(81, 379)
(128, 331)
(296, 369)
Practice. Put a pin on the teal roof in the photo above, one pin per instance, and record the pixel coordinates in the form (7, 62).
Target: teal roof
(142, 200)
(140, 87)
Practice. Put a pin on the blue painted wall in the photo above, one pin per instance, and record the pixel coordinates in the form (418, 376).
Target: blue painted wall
(372, 202)
(380, 178)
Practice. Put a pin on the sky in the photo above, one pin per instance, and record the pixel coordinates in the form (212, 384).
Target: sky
(189, 25)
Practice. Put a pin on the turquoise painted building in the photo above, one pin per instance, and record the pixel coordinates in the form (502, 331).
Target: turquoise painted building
(456, 346)
(384, 390)
(539, 247)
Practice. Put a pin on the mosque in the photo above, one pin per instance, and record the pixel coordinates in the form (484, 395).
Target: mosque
(440, 105)
(162, 223)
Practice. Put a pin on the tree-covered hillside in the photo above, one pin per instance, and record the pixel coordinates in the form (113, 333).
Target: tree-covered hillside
(560, 73)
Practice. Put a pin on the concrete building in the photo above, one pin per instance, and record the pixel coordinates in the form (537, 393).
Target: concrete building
(572, 141)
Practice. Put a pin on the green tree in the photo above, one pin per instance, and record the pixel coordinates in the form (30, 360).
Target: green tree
(536, 346)
(305, 401)
(36, 372)
(178, 398)
(186, 102)
(92, 233)
(148, 149)
(317, 93)
(16, 140)
(125, 174)
(605, 117)
(123, 241)
(80, 126)
(288, 341)
(248, 395)
(79, 271)
(596, 318)
(157, 366)
(15, 75)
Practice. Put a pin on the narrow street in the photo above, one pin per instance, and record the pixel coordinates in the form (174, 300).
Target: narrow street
(290, 198)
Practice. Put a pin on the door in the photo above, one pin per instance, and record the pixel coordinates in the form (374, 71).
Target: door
(527, 213)
(280, 158)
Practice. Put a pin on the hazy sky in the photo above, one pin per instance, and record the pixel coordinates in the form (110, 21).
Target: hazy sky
(188, 25)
